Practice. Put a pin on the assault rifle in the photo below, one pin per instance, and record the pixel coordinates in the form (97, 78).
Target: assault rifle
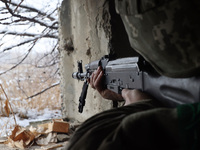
(135, 73)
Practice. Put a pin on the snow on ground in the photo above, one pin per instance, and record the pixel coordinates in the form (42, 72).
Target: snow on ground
(32, 115)
(7, 123)
(43, 107)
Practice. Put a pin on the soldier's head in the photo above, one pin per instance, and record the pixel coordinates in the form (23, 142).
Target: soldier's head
(165, 32)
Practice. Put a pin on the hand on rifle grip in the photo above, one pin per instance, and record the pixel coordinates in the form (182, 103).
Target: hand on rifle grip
(96, 79)
(97, 82)
(130, 96)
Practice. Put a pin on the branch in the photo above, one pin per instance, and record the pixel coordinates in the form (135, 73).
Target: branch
(44, 90)
(13, 67)
(13, 21)
(18, 5)
(22, 43)
(33, 10)
(54, 62)
(4, 19)
(26, 18)
(21, 88)
(29, 34)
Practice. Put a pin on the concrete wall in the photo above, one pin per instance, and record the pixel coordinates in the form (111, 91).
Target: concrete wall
(89, 29)
(84, 35)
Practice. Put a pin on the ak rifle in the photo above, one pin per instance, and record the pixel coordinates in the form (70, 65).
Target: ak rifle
(135, 73)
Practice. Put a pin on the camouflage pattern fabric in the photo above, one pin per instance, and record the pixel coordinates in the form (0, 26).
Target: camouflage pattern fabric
(165, 32)
(143, 125)
(140, 125)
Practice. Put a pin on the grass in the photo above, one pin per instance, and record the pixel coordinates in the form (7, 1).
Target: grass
(24, 82)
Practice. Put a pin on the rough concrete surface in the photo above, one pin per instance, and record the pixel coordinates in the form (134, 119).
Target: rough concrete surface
(84, 35)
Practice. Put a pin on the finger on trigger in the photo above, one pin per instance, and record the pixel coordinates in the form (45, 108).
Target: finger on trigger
(98, 80)
(96, 75)
(92, 80)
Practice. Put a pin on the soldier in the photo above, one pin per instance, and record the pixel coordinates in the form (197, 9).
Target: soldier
(166, 34)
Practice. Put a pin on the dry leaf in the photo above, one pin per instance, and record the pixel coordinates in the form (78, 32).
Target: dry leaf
(6, 108)
(20, 144)
(10, 142)
(26, 136)
(35, 132)
(45, 134)
(21, 137)
(16, 129)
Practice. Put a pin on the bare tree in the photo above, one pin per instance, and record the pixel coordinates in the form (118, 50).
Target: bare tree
(24, 27)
